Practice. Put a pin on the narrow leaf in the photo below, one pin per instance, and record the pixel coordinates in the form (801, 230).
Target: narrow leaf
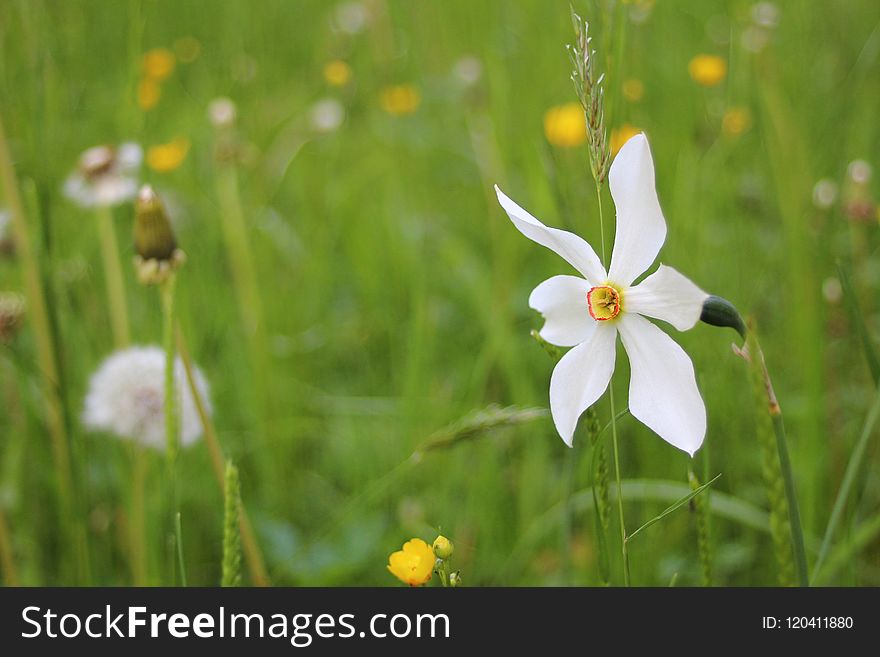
(677, 505)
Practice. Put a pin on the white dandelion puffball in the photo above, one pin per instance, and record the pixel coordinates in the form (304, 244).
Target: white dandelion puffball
(327, 115)
(127, 393)
(105, 176)
(222, 112)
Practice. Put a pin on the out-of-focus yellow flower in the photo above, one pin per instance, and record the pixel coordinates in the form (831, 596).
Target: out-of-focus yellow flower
(400, 99)
(158, 64)
(148, 93)
(564, 125)
(621, 135)
(633, 90)
(413, 564)
(707, 70)
(188, 49)
(736, 121)
(167, 157)
(337, 73)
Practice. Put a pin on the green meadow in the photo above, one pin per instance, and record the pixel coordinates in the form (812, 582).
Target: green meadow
(357, 300)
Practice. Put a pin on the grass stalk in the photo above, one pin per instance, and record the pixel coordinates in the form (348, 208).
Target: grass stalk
(252, 554)
(138, 531)
(7, 555)
(231, 528)
(114, 280)
(178, 542)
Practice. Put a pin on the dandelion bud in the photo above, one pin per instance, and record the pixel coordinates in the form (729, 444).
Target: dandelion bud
(720, 312)
(11, 315)
(157, 255)
(443, 547)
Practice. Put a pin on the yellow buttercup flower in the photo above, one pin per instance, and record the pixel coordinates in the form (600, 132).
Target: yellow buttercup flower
(633, 90)
(707, 70)
(564, 125)
(413, 564)
(736, 121)
(148, 94)
(167, 157)
(337, 73)
(158, 64)
(400, 99)
(621, 135)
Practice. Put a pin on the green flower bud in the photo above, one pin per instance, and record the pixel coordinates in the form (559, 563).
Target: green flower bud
(720, 312)
(443, 547)
(455, 579)
(157, 255)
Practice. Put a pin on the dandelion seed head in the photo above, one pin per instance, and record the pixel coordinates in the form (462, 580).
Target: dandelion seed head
(824, 193)
(350, 17)
(765, 14)
(222, 112)
(327, 115)
(105, 176)
(832, 290)
(126, 398)
(468, 70)
(859, 171)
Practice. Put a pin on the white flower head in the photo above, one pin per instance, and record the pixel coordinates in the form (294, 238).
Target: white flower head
(222, 112)
(105, 176)
(327, 115)
(127, 394)
(589, 311)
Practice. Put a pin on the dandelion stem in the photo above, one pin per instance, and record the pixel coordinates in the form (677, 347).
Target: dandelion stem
(47, 356)
(137, 534)
(251, 549)
(166, 291)
(178, 541)
(114, 280)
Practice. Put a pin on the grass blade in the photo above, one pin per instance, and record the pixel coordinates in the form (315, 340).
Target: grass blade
(675, 506)
(852, 302)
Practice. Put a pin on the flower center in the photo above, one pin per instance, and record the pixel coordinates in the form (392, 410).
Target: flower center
(603, 302)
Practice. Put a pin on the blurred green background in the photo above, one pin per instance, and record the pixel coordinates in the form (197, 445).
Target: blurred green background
(394, 289)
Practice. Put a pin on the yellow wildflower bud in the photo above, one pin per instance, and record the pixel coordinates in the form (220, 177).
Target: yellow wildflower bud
(337, 73)
(443, 547)
(414, 564)
(167, 157)
(707, 70)
(148, 93)
(158, 64)
(565, 125)
(399, 100)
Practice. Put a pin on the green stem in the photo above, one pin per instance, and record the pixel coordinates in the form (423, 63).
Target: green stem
(849, 478)
(794, 514)
(178, 535)
(113, 277)
(166, 292)
(622, 521)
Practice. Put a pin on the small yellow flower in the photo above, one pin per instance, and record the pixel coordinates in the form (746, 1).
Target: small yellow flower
(413, 564)
(158, 64)
(564, 125)
(187, 49)
(400, 99)
(633, 90)
(167, 157)
(337, 73)
(707, 70)
(148, 94)
(621, 135)
(736, 121)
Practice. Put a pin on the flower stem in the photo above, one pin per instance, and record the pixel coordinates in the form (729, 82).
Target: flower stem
(178, 536)
(137, 534)
(166, 292)
(113, 277)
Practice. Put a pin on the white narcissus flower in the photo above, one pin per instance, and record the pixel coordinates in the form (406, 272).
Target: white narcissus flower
(588, 312)
(105, 176)
(127, 394)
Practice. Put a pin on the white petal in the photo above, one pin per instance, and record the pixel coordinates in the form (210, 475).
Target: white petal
(641, 228)
(563, 302)
(580, 378)
(569, 246)
(669, 296)
(663, 392)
